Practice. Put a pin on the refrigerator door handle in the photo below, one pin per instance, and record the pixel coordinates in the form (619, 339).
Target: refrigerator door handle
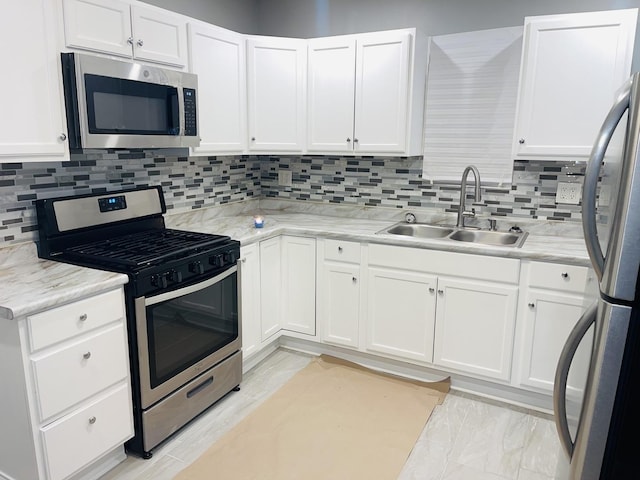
(562, 374)
(592, 173)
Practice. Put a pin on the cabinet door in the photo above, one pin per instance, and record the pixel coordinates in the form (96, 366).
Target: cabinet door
(32, 126)
(299, 284)
(217, 56)
(331, 91)
(159, 36)
(250, 298)
(548, 319)
(475, 324)
(400, 317)
(339, 306)
(382, 92)
(572, 66)
(270, 287)
(99, 25)
(276, 93)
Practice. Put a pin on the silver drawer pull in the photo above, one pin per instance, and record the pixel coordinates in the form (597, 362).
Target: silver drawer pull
(354, 279)
(83, 317)
(431, 289)
(92, 420)
(441, 292)
(340, 249)
(532, 305)
(86, 356)
(564, 275)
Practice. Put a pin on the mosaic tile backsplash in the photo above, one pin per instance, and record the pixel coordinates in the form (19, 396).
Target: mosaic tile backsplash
(195, 182)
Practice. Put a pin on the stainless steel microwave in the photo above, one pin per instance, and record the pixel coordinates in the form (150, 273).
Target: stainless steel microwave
(118, 104)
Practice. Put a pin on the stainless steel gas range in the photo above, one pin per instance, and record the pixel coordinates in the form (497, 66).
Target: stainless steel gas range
(182, 301)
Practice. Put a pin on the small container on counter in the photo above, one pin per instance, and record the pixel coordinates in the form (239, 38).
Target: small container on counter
(258, 221)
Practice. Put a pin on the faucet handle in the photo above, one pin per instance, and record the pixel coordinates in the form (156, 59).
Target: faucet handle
(492, 224)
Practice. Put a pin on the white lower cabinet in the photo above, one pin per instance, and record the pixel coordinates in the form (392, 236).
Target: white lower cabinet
(270, 287)
(66, 398)
(554, 300)
(340, 292)
(299, 284)
(250, 299)
(401, 313)
(475, 324)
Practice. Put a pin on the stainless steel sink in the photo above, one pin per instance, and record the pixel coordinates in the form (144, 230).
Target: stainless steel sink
(505, 239)
(419, 230)
(483, 237)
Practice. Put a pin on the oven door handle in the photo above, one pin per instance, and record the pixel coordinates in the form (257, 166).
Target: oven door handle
(163, 297)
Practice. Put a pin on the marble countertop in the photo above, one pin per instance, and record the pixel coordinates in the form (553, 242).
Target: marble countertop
(537, 246)
(31, 284)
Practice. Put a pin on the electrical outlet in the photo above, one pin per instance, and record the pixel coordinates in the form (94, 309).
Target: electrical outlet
(285, 178)
(569, 193)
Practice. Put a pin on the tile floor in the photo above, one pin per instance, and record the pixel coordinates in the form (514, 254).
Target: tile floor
(466, 438)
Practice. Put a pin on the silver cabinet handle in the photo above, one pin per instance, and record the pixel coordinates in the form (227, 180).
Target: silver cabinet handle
(562, 374)
(244, 260)
(440, 292)
(431, 289)
(355, 140)
(63, 137)
(354, 279)
(340, 249)
(140, 43)
(591, 174)
(83, 317)
(564, 275)
(348, 140)
(86, 356)
(130, 40)
(532, 305)
(253, 139)
(92, 420)
(521, 141)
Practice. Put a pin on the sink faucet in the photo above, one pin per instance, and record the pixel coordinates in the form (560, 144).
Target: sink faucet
(462, 213)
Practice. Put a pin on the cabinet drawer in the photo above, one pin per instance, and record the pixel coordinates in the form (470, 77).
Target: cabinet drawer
(84, 435)
(482, 267)
(342, 251)
(69, 375)
(554, 276)
(73, 319)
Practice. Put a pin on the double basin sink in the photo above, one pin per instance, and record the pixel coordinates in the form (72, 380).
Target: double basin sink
(483, 237)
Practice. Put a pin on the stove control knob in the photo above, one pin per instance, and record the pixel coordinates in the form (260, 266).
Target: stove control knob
(217, 260)
(196, 267)
(175, 276)
(159, 280)
(230, 257)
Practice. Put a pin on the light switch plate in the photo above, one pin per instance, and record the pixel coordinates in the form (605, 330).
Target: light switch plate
(285, 178)
(569, 193)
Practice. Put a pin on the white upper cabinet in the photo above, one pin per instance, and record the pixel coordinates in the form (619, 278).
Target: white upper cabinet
(276, 72)
(217, 56)
(572, 67)
(119, 28)
(33, 126)
(331, 94)
(366, 93)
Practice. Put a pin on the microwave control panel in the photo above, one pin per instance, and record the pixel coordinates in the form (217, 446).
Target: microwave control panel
(190, 127)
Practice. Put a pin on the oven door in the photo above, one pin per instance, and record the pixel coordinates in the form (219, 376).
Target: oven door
(184, 332)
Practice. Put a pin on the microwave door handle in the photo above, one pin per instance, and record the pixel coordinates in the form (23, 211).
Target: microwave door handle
(562, 374)
(592, 173)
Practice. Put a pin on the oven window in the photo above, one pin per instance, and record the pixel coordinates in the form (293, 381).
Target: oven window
(121, 106)
(184, 330)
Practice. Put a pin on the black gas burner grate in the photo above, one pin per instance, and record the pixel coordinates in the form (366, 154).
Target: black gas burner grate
(145, 248)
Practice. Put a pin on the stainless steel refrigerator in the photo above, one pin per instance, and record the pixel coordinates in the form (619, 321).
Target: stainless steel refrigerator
(603, 445)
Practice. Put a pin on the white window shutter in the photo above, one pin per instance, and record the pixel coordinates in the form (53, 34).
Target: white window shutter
(472, 88)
